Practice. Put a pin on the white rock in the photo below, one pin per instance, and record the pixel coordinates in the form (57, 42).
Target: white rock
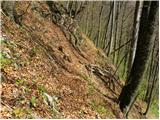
(51, 101)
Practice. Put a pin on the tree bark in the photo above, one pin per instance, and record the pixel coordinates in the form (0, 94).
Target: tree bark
(107, 26)
(98, 40)
(91, 30)
(116, 30)
(137, 14)
(150, 73)
(110, 43)
(87, 21)
(152, 87)
(145, 38)
(121, 32)
(126, 58)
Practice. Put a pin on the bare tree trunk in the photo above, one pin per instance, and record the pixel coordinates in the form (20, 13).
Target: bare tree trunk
(152, 87)
(69, 7)
(147, 31)
(101, 24)
(137, 14)
(126, 58)
(121, 31)
(90, 32)
(150, 73)
(116, 29)
(107, 26)
(76, 7)
(87, 22)
(98, 40)
(110, 43)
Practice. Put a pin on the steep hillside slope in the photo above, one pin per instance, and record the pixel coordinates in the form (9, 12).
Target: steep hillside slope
(44, 76)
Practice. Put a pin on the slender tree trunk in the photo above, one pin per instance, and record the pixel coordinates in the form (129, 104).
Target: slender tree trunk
(145, 38)
(125, 55)
(90, 32)
(152, 87)
(110, 43)
(126, 58)
(107, 25)
(76, 7)
(87, 22)
(116, 30)
(150, 74)
(99, 27)
(121, 32)
(102, 24)
(137, 14)
(69, 7)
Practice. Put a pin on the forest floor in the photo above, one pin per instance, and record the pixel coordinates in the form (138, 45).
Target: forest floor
(44, 76)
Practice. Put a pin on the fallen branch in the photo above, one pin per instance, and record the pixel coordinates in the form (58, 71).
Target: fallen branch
(103, 74)
(121, 46)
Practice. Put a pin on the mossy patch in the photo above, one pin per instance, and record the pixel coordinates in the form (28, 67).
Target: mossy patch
(41, 89)
(85, 77)
(4, 61)
(18, 112)
(102, 110)
(33, 101)
(90, 89)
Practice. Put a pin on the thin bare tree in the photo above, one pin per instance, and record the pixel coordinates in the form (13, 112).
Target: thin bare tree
(137, 13)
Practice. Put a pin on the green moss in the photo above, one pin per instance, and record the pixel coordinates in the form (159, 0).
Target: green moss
(18, 112)
(8, 43)
(81, 114)
(33, 101)
(102, 110)
(2, 41)
(4, 61)
(20, 81)
(85, 77)
(155, 109)
(41, 89)
(90, 89)
(142, 90)
(23, 113)
(27, 89)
